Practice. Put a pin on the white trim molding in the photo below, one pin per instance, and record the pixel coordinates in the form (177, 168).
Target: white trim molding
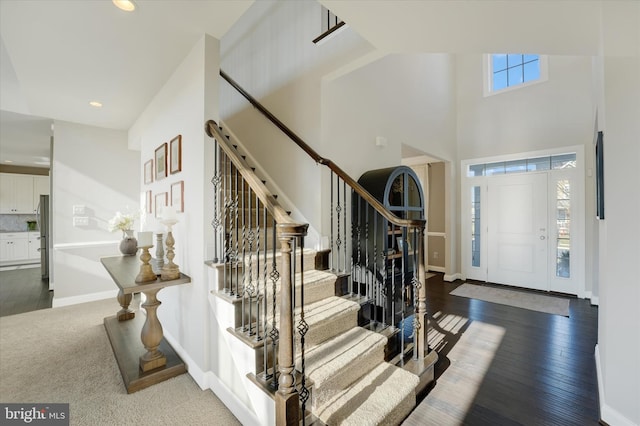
(452, 277)
(608, 414)
(92, 297)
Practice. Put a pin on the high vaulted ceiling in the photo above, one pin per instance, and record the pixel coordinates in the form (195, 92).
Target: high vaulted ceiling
(58, 55)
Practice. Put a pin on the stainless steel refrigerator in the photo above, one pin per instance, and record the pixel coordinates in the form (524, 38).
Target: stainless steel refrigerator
(44, 224)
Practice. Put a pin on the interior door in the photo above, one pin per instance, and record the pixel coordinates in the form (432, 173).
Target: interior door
(517, 230)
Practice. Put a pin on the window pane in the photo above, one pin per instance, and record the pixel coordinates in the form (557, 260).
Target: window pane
(529, 58)
(532, 71)
(564, 161)
(534, 164)
(476, 170)
(563, 226)
(499, 62)
(396, 192)
(517, 166)
(515, 76)
(494, 169)
(414, 193)
(499, 80)
(513, 60)
(475, 226)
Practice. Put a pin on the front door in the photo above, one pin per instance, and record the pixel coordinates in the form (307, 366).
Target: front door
(517, 230)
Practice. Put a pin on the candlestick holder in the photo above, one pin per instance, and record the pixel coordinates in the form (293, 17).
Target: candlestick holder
(146, 273)
(170, 270)
(158, 262)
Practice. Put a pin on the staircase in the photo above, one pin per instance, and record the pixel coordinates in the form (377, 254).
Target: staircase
(321, 359)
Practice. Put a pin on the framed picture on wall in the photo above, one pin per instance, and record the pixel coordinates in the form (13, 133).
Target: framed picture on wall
(161, 161)
(175, 147)
(161, 203)
(177, 196)
(148, 171)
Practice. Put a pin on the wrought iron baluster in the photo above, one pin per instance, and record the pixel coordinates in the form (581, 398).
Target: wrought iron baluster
(344, 193)
(358, 233)
(338, 210)
(274, 334)
(260, 294)
(332, 254)
(303, 327)
(403, 250)
(375, 281)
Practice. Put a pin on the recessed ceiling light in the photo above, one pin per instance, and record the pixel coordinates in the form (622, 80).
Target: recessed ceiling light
(126, 5)
(95, 104)
(8, 161)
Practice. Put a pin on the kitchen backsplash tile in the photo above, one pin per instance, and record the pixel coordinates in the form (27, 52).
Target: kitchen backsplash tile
(15, 222)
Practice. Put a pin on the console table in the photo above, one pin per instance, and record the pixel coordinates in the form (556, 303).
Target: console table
(143, 355)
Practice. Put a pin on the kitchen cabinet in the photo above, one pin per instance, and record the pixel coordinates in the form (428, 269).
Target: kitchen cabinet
(20, 194)
(14, 246)
(34, 245)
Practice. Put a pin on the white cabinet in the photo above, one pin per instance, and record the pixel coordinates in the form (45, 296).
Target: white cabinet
(14, 246)
(20, 194)
(34, 245)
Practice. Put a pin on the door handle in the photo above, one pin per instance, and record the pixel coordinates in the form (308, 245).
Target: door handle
(542, 237)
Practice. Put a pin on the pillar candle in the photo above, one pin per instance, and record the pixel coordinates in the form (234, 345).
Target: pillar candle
(145, 239)
(169, 213)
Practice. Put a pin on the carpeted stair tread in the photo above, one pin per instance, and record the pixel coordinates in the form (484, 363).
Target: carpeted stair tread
(326, 318)
(384, 396)
(318, 285)
(338, 362)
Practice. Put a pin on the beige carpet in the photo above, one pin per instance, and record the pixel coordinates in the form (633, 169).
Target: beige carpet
(63, 355)
(516, 298)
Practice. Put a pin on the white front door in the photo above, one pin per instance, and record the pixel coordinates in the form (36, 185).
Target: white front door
(517, 230)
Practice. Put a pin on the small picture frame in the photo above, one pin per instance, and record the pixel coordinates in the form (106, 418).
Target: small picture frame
(175, 147)
(148, 202)
(161, 161)
(177, 196)
(161, 203)
(400, 243)
(148, 171)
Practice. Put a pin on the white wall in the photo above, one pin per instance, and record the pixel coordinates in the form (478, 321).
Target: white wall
(91, 167)
(619, 313)
(270, 54)
(407, 99)
(558, 112)
(181, 107)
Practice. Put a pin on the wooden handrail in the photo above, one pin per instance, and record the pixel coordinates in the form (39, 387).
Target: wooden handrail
(377, 205)
(271, 204)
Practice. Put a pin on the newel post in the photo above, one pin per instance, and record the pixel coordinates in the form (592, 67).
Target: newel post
(422, 345)
(286, 398)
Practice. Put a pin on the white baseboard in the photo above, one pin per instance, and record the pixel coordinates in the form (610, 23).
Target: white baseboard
(608, 414)
(435, 268)
(13, 267)
(208, 380)
(58, 302)
(452, 277)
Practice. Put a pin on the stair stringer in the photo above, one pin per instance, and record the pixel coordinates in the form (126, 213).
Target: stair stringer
(251, 405)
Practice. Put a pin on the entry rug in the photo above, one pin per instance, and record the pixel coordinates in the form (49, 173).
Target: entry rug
(518, 299)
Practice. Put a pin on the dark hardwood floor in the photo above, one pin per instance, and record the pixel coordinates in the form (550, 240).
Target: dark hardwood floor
(23, 290)
(542, 371)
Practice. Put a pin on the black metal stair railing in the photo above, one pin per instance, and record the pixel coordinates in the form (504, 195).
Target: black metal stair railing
(251, 233)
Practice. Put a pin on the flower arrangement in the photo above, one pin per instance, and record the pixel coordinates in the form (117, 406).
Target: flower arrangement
(122, 222)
